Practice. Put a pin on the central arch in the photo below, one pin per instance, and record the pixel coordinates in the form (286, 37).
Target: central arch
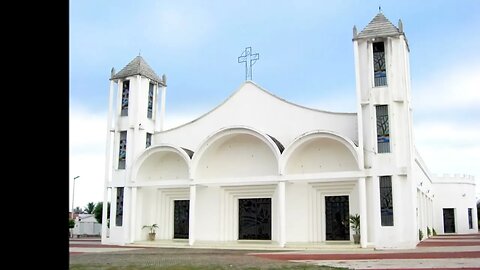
(162, 162)
(235, 152)
(320, 151)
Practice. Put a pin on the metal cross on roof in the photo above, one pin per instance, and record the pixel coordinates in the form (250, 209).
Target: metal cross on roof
(249, 59)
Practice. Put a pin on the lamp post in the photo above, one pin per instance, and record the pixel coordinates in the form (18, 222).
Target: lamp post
(73, 194)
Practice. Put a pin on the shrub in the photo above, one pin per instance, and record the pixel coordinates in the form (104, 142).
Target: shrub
(434, 232)
(420, 235)
(428, 232)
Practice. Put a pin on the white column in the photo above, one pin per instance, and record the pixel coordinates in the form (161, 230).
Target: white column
(362, 198)
(110, 126)
(191, 215)
(111, 102)
(108, 158)
(376, 218)
(118, 103)
(161, 119)
(157, 108)
(104, 215)
(133, 214)
(127, 198)
(281, 214)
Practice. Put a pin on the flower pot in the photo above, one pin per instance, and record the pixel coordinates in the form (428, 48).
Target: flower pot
(356, 238)
(151, 236)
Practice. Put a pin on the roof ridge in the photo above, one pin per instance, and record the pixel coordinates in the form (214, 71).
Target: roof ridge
(379, 26)
(138, 66)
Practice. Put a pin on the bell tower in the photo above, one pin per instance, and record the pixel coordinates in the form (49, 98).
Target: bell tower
(382, 73)
(133, 118)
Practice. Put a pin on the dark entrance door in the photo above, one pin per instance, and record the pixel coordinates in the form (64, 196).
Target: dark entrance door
(180, 219)
(448, 220)
(336, 218)
(255, 219)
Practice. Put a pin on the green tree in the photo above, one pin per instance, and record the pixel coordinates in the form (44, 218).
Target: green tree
(90, 207)
(98, 212)
(71, 223)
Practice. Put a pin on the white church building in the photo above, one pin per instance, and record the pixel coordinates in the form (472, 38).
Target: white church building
(260, 170)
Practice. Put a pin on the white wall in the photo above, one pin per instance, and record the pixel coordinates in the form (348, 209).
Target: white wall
(237, 155)
(252, 106)
(163, 165)
(321, 155)
(208, 212)
(458, 192)
(297, 212)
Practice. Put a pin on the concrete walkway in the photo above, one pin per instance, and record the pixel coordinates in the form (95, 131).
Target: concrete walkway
(94, 245)
(439, 252)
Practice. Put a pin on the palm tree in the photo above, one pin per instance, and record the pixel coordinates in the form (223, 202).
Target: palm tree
(78, 210)
(89, 208)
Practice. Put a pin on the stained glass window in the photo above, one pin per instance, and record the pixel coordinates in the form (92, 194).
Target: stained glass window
(470, 219)
(379, 65)
(383, 130)
(125, 92)
(119, 209)
(255, 219)
(336, 218)
(122, 154)
(149, 140)
(181, 219)
(150, 101)
(386, 200)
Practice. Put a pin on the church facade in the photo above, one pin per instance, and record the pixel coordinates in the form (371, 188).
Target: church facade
(263, 171)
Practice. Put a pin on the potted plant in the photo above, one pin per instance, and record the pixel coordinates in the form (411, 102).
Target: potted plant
(355, 225)
(151, 233)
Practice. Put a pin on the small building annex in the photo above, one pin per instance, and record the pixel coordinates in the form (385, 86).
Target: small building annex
(239, 175)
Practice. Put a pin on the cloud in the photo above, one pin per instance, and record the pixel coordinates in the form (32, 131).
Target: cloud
(176, 26)
(449, 147)
(446, 107)
(178, 119)
(87, 155)
(445, 132)
(344, 101)
(87, 151)
(87, 130)
(453, 87)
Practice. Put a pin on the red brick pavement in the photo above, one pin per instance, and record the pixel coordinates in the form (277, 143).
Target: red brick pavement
(421, 254)
(370, 256)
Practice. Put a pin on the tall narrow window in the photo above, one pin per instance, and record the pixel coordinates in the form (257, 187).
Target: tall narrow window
(119, 212)
(148, 141)
(150, 101)
(122, 153)
(386, 200)
(470, 220)
(383, 130)
(379, 65)
(125, 92)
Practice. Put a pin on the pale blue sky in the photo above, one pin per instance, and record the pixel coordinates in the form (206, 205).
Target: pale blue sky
(306, 56)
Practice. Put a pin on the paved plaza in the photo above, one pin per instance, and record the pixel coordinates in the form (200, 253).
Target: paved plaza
(438, 252)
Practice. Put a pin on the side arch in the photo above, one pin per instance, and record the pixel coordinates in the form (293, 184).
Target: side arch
(160, 162)
(320, 151)
(236, 151)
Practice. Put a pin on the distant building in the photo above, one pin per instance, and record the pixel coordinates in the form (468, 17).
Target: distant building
(259, 169)
(86, 225)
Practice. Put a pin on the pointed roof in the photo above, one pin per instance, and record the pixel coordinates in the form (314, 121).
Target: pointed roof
(138, 66)
(380, 26)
